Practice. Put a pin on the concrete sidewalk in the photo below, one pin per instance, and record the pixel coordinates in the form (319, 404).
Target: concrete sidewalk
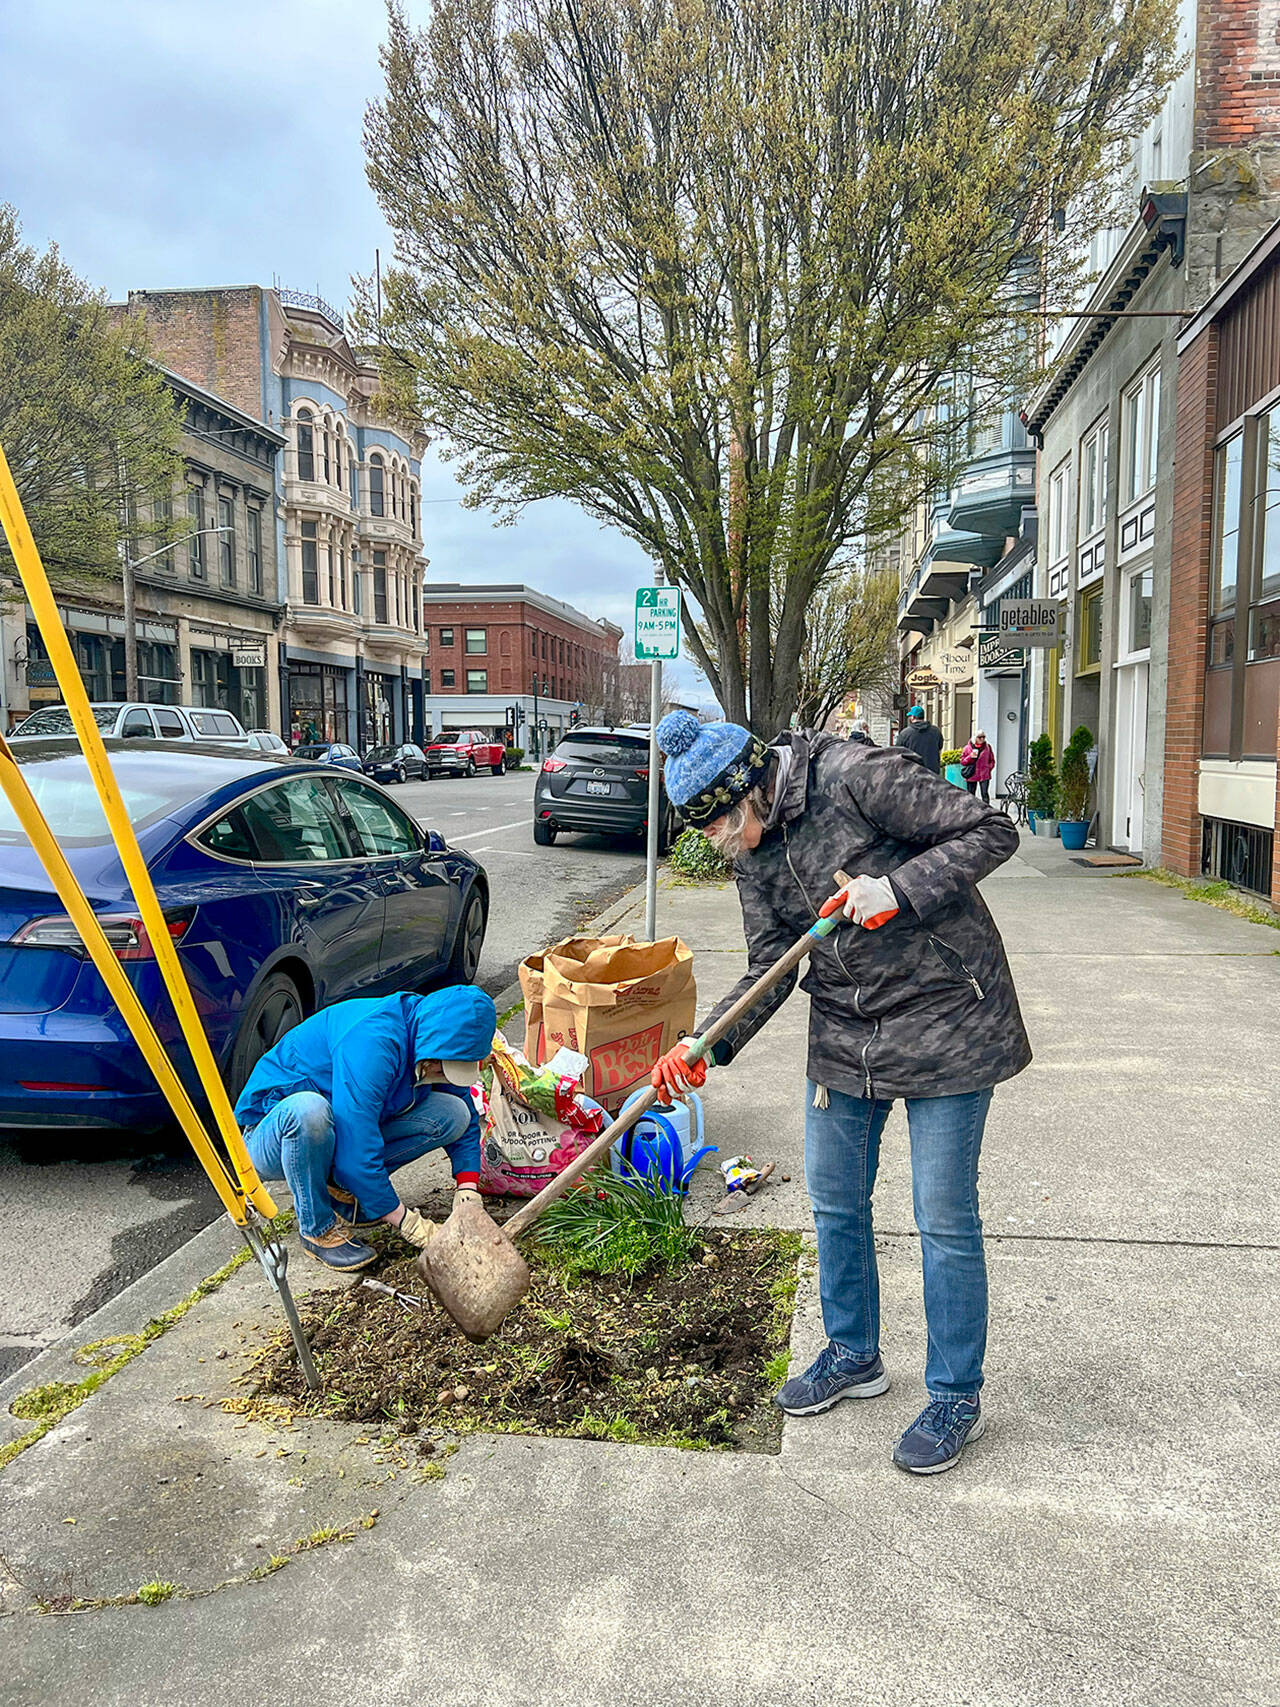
(1111, 1540)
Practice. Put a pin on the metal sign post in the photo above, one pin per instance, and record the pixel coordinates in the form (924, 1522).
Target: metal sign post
(657, 637)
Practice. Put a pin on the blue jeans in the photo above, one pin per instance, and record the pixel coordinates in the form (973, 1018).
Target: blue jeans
(294, 1141)
(842, 1151)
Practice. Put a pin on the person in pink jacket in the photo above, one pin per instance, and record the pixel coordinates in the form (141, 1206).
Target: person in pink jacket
(977, 762)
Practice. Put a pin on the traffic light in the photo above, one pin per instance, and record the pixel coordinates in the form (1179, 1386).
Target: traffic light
(573, 717)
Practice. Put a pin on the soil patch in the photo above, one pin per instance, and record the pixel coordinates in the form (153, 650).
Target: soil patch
(680, 1356)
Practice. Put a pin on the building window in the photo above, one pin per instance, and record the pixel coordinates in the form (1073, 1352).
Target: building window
(306, 446)
(417, 624)
(446, 678)
(324, 449)
(333, 576)
(544, 648)
(426, 637)
(446, 637)
(195, 540)
(1058, 513)
(379, 586)
(1228, 467)
(1093, 481)
(1139, 436)
(227, 541)
(342, 577)
(337, 457)
(253, 519)
(533, 644)
(426, 681)
(377, 487)
(1089, 632)
(1264, 614)
(310, 574)
(477, 681)
(1138, 613)
(413, 511)
(353, 478)
(357, 587)
(162, 513)
(474, 641)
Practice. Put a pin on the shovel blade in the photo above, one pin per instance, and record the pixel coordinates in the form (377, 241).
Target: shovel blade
(475, 1271)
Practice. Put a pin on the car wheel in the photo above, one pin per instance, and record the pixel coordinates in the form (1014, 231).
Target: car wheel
(471, 767)
(469, 941)
(402, 774)
(275, 1009)
(543, 834)
(667, 831)
(500, 769)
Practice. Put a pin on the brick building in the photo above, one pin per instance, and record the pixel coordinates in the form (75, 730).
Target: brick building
(506, 659)
(208, 609)
(1222, 741)
(348, 523)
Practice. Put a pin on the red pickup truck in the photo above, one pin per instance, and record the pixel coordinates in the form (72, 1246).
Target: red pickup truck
(462, 752)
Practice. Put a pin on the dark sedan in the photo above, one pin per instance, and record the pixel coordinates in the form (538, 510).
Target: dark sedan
(396, 764)
(286, 887)
(598, 779)
(330, 753)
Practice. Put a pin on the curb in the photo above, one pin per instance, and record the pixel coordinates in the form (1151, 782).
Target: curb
(171, 1280)
(603, 922)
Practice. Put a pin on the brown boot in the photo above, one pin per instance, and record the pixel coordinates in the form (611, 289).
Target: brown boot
(336, 1249)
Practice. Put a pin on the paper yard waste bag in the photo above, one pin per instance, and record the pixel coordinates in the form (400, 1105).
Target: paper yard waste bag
(619, 1002)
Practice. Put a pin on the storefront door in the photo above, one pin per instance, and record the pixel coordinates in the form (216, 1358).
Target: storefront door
(1131, 757)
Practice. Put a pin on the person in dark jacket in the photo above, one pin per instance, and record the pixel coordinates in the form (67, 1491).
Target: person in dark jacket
(860, 734)
(915, 1000)
(355, 1092)
(923, 738)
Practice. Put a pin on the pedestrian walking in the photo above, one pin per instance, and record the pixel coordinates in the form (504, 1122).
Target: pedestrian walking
(914, 1000)
(922, 738)
(977, 763)
(355, 1092)
(860, 734)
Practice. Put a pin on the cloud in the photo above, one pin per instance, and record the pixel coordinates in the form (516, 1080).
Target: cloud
(165, 143)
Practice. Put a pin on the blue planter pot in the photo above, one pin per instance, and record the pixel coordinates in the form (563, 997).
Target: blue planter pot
(1074, 833)
(1031, 821)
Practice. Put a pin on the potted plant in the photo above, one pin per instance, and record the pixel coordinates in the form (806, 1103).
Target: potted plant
(1074, 823)
(1042, 787)
(951, 765)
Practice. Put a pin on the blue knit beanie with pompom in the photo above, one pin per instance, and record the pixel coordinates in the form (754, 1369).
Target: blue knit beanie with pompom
(709, 767)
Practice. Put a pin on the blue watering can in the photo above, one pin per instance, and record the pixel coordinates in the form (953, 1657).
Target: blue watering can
(657, 1147)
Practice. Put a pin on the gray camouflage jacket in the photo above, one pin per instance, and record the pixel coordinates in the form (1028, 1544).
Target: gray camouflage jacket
(924, 1005)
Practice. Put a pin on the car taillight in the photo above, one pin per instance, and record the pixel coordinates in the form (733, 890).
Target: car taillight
(554, 765)
(643, 774)
(127, 935)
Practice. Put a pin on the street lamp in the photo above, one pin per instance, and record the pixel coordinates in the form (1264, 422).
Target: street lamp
(128, 566)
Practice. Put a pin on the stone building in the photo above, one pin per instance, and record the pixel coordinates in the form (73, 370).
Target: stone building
(207, 608)
(350, 657)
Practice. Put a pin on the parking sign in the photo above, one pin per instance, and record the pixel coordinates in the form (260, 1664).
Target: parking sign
(657, 622)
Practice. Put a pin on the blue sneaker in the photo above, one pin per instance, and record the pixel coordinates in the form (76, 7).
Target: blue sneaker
(337, 1249)
(938, 1436)
(833, 1375)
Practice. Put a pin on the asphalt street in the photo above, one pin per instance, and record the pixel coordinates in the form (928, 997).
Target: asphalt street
(84, 1214)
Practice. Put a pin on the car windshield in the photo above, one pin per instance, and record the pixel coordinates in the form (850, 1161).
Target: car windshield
(376, 753)
(56, 720)
(215, 722)
(310, 752)
(604, 749)
(448, 738)
(64, 792)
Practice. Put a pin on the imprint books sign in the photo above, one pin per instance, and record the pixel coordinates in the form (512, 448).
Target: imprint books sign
(1030, 622)
(657, 622)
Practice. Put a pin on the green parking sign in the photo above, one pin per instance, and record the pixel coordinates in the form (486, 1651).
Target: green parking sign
(657, 622)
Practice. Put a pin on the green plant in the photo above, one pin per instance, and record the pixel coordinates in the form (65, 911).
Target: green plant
(693, 856)
(615, 1226)
(151, 1594)
(515, 758)
(951, 755)
(1075, 775)
(1042, 790)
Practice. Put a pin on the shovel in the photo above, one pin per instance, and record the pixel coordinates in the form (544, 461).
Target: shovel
(472, 1265)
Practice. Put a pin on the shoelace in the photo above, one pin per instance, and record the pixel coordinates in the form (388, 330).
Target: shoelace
(938, 1418)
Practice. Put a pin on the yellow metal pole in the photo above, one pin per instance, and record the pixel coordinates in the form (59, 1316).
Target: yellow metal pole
(122, 992)
(44, 607)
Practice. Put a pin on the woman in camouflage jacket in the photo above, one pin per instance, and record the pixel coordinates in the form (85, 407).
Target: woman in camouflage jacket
(915, 1002)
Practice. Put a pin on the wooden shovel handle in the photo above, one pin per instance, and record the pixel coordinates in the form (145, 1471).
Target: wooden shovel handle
(701, 1046)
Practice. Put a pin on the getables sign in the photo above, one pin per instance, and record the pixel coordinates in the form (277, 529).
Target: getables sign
(1030, 622)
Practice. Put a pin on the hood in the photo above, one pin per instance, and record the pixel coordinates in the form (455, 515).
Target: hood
(796, 749)
(456, 1024)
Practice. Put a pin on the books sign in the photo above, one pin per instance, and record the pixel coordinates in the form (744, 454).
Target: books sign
(657, 622)
(249, 654)
(1030, 622)
(995, 653)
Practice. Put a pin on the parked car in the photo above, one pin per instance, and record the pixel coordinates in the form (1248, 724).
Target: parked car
(598, 779)
(395, 764)
(132, 720)
(462, 752)
(286, 888)
(267, 741)
(330, 753)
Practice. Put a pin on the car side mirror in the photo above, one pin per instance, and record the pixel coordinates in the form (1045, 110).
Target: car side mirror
(435, 842)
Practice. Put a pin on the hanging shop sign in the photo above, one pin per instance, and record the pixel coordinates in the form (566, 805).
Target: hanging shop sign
(995, 653)
(1030, 622)
(923, 679)
(953, 666)
(249, 654)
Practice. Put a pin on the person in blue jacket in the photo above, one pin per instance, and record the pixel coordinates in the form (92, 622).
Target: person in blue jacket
(355, 1092)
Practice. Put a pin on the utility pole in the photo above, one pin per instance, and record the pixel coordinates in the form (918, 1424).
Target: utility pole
(651, 851)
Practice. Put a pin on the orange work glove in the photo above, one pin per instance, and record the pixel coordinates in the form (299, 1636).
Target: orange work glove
(674, 1074)
(868, 901)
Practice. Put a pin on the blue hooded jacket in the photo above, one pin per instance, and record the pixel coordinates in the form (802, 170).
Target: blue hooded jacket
(360, 1055)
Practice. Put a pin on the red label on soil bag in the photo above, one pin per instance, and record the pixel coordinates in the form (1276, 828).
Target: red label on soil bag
(616, 1065)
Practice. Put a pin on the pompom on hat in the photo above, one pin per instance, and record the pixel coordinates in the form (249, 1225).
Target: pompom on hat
(709, 767)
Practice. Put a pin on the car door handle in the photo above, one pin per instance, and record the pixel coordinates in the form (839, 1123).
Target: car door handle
(310, 894)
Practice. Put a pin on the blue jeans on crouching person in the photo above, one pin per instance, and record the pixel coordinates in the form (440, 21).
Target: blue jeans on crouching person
(295, 1141)
(842, 1152)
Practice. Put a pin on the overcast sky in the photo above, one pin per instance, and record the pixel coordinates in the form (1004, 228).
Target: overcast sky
(164, 143)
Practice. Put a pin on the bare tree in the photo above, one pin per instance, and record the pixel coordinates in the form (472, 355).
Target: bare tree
(850, 644)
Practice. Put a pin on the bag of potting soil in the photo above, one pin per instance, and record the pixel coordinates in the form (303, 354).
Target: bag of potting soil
(534, 1123)
(619, 1002)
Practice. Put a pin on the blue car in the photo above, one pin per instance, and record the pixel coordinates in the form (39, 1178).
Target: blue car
(286, 887)
(331, 753)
